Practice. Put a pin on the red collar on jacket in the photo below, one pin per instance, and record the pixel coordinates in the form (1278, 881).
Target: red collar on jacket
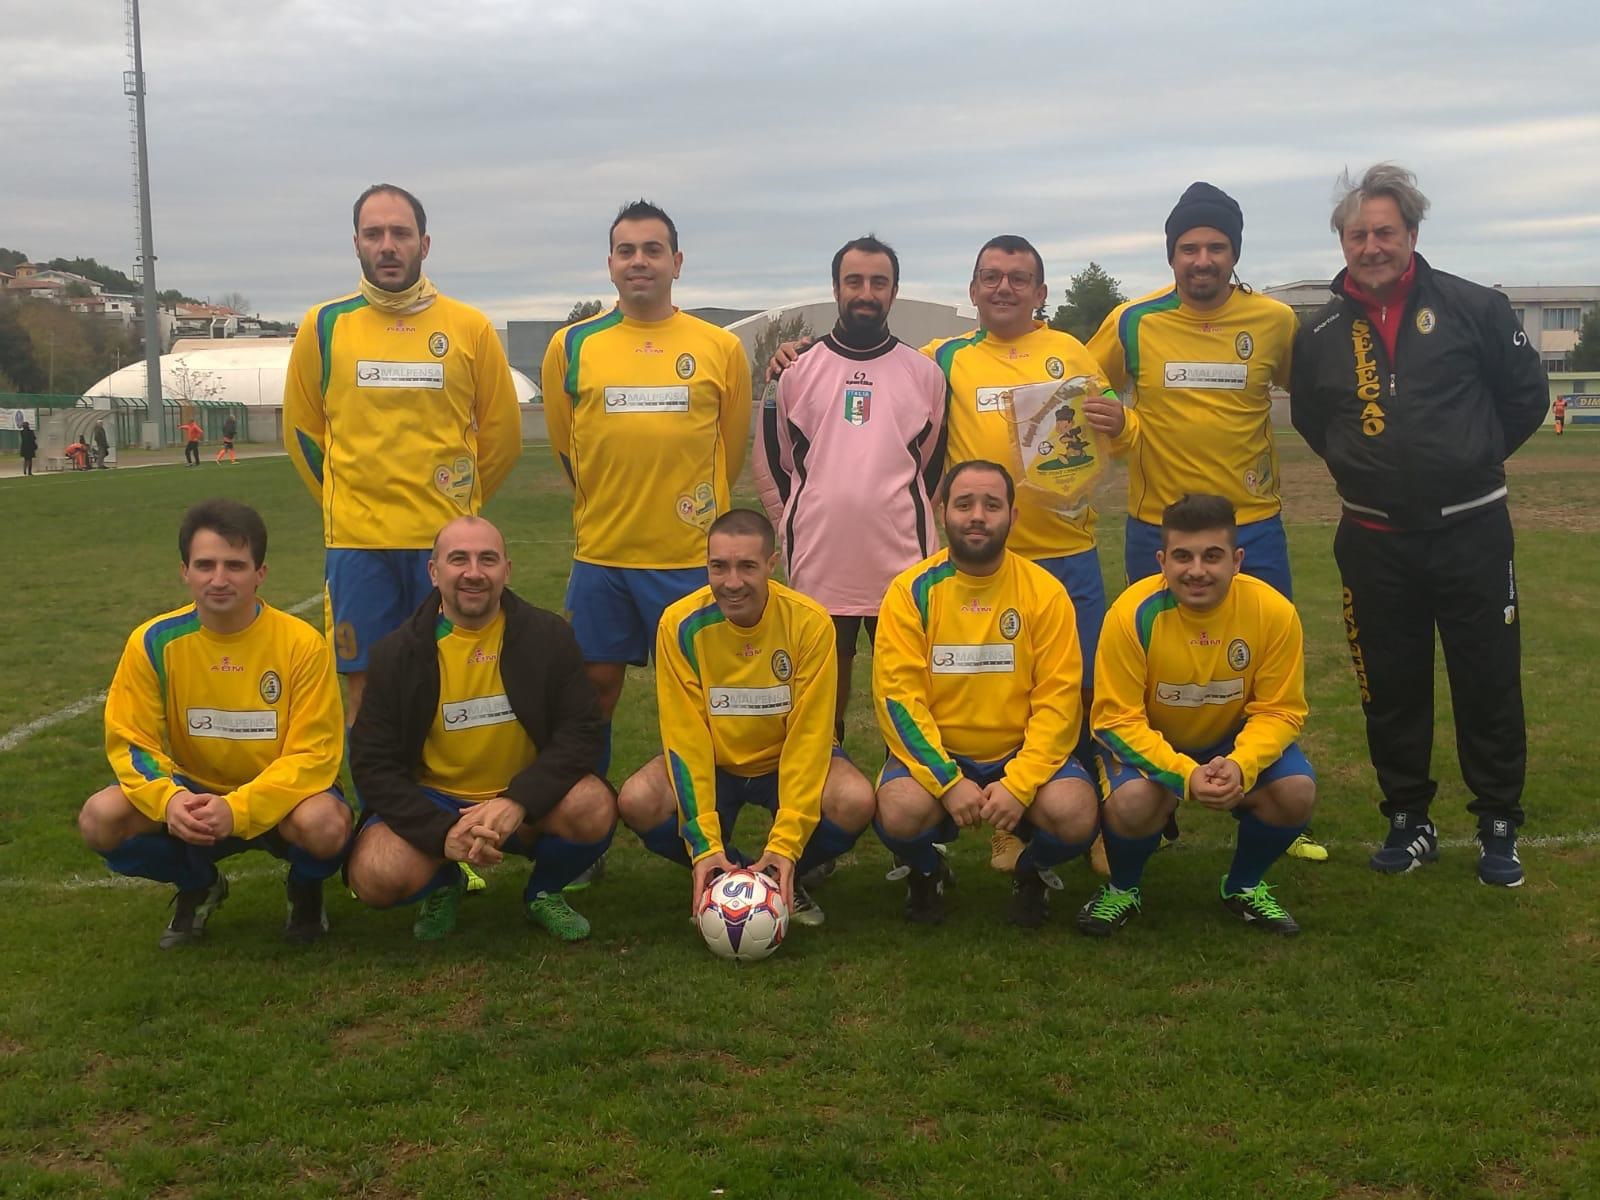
(1385, 315)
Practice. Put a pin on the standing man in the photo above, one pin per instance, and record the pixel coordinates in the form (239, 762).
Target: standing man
(977, 687)
(28, 448)
(230, 430)
(649, 414)
(192, 433)
(400, 415)
(1198, 361)
(477, 739)
(223, 727)
(1415, 386)
(1559, 411)
(102, 445)
(849, 454)
(1199, 695)
(745, 686)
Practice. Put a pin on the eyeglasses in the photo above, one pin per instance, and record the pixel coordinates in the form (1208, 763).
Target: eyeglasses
(989, 277)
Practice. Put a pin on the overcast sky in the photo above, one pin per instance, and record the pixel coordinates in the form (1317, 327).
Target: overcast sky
(774, 132)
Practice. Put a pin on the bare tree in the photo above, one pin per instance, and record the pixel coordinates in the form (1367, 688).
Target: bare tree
(584, 308)
(785, 329)
(238, 301)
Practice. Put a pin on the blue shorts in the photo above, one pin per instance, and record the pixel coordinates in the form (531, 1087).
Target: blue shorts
(983, 774)
(615, 610)
(1080, 575)
(1266, 552)
(736, 791)
(1292, 761)
(455, 806)
(273, 842)
(370, 595)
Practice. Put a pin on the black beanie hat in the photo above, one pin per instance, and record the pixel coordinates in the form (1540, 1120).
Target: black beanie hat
(1203, 204)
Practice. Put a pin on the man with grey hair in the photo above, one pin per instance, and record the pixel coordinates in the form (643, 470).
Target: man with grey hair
(1415, 386)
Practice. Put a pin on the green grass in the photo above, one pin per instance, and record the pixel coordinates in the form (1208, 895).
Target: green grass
(1425, 1036)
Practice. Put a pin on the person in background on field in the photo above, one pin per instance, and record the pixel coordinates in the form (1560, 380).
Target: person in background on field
(78, 455)
(192, 433)
(28, 448)
(1559, 411)
(230, 430)
(102, 445)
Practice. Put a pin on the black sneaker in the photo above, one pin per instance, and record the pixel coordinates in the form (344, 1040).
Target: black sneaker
(1030, 899)
(191, 910)
(805, 910)
(819, 873)
(1412, 841)
(925, 896)
(1108, 910)
(1498, 864)
(1170, 833)
(308, 918)
(1257, 906)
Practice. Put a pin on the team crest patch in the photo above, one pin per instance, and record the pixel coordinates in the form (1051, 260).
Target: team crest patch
(781, 666)
(685, 366)
(438, 345)
(454, 479)
(699, 509)
(857, 405)
(271, 687)
(1054, 367)
(1010, 624)
(1426, 321)
(1244, 345)
(1238, 654)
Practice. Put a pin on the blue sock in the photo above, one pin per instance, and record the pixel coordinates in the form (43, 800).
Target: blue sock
(1046, 850)
(557, 862)
(917, 853)
(1127, 856)
(448, 875)
(1259, 846)
(604, 765)
(163, 858)
(665, 840)
(305, 868)
(828, 841)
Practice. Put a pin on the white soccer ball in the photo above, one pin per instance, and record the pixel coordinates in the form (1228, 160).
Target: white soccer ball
(742, 916)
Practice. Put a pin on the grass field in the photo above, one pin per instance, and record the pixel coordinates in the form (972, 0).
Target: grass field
(1425, 1037)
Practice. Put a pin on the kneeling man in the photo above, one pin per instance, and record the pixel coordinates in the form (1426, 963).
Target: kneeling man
(745, 682)
(1199, 694)
(225, 731)
(476, 737)
(977, 684)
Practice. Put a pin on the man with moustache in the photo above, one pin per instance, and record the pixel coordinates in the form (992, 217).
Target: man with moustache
(1415, 386)
(849, 454)
(399, 414)
(478, 739)
(977, 688)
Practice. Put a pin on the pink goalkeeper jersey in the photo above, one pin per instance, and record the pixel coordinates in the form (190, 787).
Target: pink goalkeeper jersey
(846, 459)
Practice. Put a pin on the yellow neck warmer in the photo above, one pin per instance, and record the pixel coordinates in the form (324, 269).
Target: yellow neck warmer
(413, 300)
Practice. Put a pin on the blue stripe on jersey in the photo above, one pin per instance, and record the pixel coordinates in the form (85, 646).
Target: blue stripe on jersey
(912, 738)
(163, 633)
(924, 583)
(945, 353)
(327, 315)
(1151, 607)
(573, 345)
(144, 762)
(310, 451)
(1128, 327)
(688, 807)
(690, 627)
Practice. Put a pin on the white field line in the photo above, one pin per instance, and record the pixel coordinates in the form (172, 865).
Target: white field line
(83, 704)
(107, 882)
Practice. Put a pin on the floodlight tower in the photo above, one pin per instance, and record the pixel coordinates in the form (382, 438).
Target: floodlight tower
(144, 267)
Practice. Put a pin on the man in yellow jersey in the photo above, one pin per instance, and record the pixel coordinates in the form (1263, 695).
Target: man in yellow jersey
(1011, 348)
(399, 414)
(977, 686)
(478, 738)
(1198, 361)
(745, 683)
(649, 413)
(1199, 695)
(224, 729)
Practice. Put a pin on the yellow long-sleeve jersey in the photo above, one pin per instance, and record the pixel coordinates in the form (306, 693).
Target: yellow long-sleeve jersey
(651, 422)
(1200, 418)
(475, 744)
(749, 701)
(398, 424)
(979, 666)
(977, 368)
(253, 717)
(1169, 681)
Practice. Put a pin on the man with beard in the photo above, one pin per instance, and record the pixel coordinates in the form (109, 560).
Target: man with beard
(745, 689)
(478, 739)
(977, 687)
(399, 414)
(1199, 360)
(649, 416)
(849, 454)
(1199, 694)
